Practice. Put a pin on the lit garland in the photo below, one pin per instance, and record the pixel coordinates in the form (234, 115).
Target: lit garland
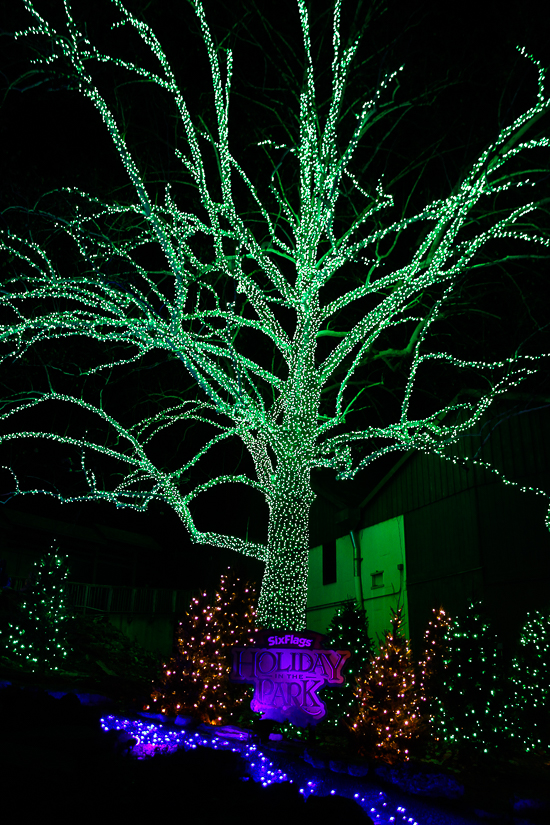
(278, 419)
(195, 681)
(388, 717)
(470, 707)
(529, 708)
(39, 638)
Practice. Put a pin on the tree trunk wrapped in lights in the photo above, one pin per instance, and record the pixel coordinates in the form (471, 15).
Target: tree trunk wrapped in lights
(305, 266)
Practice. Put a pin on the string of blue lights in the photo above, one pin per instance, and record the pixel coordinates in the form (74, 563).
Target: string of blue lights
(148, 737)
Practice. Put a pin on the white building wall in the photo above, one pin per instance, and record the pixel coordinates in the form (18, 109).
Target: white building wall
(382, 584)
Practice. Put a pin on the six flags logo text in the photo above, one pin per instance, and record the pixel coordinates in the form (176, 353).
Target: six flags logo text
(286, 680)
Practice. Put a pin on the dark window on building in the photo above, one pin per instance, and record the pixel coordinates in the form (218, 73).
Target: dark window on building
(329, 562)
(377, 579)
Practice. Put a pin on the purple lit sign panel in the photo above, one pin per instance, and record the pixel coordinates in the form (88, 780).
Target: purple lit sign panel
(287, 670)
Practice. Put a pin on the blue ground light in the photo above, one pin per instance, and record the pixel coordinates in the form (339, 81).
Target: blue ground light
(155, 737)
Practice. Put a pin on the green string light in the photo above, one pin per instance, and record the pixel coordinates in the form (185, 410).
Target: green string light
(469, 708)
(348, 630)
(39, 637)
(276, 413)
(527, 716)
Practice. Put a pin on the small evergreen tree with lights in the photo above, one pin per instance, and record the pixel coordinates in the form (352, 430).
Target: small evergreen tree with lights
(470, 708)
(348, 630)
(432, 664)
(529, 703)
(388, 717)
(180, 683)
(195, 681)
(39, 636)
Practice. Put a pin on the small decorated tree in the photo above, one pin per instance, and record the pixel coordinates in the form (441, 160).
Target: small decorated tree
(195, 681)
(348, 630)
(39, 636)
(470, 708)
(388, 717)
(529, 704)
(432, 665)
(180, 683)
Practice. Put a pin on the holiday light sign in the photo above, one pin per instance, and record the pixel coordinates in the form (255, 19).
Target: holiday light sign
(287, 669)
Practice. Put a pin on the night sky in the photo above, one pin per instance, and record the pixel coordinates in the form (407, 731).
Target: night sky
(50, 136)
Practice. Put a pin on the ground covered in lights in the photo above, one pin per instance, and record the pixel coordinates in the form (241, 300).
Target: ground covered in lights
(287, 781)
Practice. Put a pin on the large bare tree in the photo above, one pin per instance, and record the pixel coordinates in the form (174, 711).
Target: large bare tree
(274, 306)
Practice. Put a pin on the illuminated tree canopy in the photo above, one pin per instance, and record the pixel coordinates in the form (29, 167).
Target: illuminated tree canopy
(273, 305)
